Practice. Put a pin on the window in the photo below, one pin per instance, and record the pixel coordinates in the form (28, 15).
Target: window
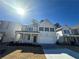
(52, 29)
(41, 29)
(28, 37)
(75, 31)
(66, 32)
(46, 29)
(30, 29)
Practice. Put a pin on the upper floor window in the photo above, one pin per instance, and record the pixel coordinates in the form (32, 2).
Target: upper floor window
(28, 37)
(66, 32)
(46, 29)
(30, 29)
(52, 29)
(75, 31)
(41, 28)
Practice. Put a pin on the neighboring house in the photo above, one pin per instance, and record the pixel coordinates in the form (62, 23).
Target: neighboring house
(3, 29)
(42, 32)
(10, 34)
(68, 35)
(7, 30)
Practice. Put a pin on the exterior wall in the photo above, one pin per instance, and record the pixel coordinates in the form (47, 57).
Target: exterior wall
(10, 33)
(3, 25)
(3, 29)
(46, 37)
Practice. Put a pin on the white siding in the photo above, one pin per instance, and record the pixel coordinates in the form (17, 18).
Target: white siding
(47, 37)
(10, 34)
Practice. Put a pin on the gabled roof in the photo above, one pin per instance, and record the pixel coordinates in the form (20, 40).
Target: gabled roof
(75, 27)
(46, 20)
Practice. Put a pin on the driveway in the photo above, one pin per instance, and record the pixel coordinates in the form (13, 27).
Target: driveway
(62, 53)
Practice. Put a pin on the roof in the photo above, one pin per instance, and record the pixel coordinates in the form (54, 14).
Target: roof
(58, 29)
(28, 32)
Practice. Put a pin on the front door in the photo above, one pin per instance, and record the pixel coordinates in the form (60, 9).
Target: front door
(34, 39)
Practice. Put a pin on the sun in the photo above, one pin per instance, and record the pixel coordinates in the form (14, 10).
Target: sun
(20, 11)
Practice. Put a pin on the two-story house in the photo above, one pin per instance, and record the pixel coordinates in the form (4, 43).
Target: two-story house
(42, 32)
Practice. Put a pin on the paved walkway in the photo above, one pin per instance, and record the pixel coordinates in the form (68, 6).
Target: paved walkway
(60, 54)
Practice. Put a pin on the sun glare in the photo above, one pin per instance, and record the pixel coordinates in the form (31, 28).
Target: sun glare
(20, 11)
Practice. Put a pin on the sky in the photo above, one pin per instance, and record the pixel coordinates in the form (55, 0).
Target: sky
(65, 12)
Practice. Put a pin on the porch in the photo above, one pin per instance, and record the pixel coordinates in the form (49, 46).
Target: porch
(26, 37)
(71, 39)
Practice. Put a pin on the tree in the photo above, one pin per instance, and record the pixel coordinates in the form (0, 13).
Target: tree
(57, 25)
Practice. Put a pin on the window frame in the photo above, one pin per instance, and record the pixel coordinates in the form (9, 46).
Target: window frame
(47, 29)
(29, 37)
(66, 32)
(41, 28)
(30, 29)
(52, 30)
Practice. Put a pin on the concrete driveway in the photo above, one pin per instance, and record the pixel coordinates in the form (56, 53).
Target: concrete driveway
(60, 54)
